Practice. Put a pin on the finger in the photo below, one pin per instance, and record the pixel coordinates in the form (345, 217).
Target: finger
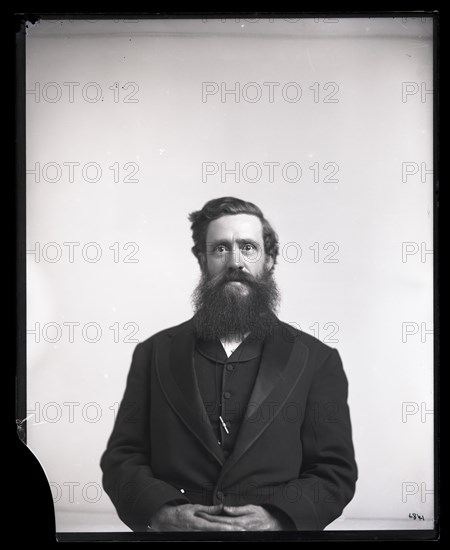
(211, 510)
(228, 520)
(213, 517)
(238, 510)
(200, 524)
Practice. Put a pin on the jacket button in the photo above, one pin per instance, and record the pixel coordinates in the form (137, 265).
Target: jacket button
(227, 395)
(220, 496)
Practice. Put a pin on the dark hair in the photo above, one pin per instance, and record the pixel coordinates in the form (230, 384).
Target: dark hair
(226, 206)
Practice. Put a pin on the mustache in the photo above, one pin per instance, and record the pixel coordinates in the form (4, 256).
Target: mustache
(234, 275)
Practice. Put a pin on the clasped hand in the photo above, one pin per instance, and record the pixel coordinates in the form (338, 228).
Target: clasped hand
(195, 517)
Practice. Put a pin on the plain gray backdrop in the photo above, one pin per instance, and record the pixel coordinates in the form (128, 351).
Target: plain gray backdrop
(152, 101)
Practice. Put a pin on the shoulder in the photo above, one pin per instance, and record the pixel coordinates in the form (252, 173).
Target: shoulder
(324, 360)
(165, 334)
(292, 334)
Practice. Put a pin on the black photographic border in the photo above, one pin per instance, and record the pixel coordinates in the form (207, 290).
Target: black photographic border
(35, 515)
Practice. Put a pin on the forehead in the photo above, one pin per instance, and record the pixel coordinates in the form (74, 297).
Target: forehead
(235, 226)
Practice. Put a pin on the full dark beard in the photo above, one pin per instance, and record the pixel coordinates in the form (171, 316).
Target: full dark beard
(223, 311)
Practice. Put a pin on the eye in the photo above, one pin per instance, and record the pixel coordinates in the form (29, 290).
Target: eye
(248, 247)
(220, 249)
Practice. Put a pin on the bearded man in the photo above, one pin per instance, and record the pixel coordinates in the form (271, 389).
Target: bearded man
(233, 420)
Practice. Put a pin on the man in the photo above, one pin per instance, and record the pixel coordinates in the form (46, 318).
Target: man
(232, 420)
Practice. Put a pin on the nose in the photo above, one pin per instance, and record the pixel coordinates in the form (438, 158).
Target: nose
(235, 260)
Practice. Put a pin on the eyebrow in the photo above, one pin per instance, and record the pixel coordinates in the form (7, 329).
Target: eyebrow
(226, 242)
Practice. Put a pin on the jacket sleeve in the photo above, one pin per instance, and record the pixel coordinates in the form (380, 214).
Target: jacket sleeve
(328, 474)
(127, 476)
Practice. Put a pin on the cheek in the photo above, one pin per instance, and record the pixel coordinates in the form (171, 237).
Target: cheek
(256, 268)
(214, 265)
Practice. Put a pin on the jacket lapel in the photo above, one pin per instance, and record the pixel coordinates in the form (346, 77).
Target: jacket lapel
(282, 365)
(175, 369)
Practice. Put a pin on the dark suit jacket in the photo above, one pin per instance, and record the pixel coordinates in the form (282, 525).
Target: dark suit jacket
(293, 452)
